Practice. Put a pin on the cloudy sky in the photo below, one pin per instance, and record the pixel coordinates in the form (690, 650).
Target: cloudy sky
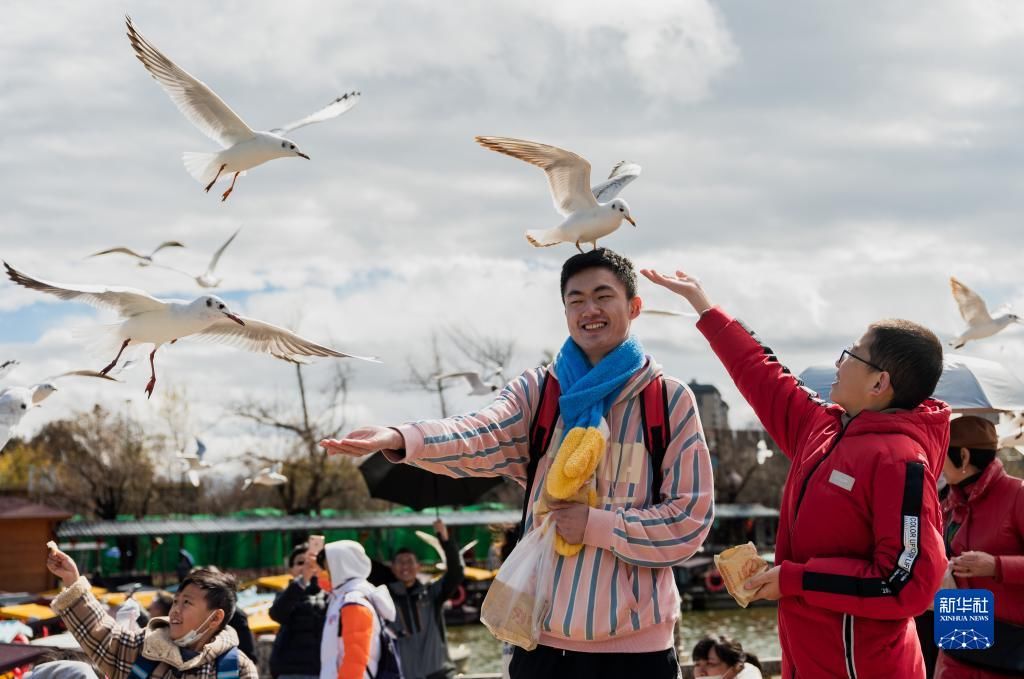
(819, 164)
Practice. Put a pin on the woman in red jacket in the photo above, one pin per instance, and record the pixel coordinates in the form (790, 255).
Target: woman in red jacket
(984, 530)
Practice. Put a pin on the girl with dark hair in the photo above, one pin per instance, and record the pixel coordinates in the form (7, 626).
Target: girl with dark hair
(724, 658)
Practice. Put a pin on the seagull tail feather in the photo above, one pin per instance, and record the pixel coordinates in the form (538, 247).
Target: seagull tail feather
(202, 166)
(543, 239)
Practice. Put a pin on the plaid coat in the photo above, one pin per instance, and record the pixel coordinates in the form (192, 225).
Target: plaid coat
(115, 649)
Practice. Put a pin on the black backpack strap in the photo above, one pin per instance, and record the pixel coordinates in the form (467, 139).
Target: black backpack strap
(541, 430)
(656, 423)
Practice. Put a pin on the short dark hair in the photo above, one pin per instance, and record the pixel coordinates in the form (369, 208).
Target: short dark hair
(218, 588)
(164, 600)
(403, 550)
(601, 258)
(979, 457)
(912, 355)
(728, 651)
(297, 551)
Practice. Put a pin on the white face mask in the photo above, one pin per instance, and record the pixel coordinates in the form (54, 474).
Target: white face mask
(942, 481)
(192, 637)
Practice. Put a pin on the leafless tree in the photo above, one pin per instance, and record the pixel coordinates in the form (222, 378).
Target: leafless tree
(315, 480)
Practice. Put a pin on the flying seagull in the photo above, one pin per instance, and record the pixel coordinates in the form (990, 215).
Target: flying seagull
(586, 218)
(268, 476)
(980, 324)
(479, 387)
(148, 320)
(242, 147)
(207, 279)
(144, 260)
(15, 402)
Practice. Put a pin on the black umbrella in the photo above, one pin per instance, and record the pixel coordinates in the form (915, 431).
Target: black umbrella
(419, 489)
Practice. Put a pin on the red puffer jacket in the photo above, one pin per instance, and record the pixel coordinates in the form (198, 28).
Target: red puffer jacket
(991, 519)
(859, 540)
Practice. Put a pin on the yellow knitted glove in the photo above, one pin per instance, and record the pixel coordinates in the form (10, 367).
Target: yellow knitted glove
(574, 466)
(575, 461)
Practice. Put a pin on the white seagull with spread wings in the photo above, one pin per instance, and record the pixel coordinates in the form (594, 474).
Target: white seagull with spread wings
(15, 402)
(144, 260)
(586, 218)
(980, 323)
(243, 147)
(148, 320)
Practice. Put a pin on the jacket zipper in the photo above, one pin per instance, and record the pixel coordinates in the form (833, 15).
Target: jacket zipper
(807, 479)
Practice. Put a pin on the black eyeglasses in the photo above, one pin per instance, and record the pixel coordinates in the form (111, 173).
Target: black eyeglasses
(847, 352)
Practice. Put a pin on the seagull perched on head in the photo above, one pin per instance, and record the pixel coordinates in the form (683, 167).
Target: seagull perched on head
(148, 320)
(586, 218)
(15, 402)
(144, 260)
(243, 147)
(268, 476)
(479, 387)
(980, 324)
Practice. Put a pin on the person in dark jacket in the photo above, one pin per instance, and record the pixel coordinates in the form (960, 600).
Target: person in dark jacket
(300, 610)
(859, 550)
(419, 622)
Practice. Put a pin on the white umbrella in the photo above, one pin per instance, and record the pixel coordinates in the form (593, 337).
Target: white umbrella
(968, 385)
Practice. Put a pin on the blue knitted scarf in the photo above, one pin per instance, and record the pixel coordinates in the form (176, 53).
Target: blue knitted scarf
(587, 392)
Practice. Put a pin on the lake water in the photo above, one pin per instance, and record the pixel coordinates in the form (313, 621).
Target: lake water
(755, 628)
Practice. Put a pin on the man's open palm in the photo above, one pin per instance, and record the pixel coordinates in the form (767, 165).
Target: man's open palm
(364, 441)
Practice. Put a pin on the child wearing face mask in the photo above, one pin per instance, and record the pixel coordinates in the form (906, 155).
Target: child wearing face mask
(192, 642)
(724, 658)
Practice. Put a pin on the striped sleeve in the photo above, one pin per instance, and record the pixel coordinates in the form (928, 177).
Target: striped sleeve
(909, 560)
(668, 533)
(493, 441)
(113, 648)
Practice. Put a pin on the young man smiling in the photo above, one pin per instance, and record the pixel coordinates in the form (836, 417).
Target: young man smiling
(859, 551)
(192, 642)
(625, 522)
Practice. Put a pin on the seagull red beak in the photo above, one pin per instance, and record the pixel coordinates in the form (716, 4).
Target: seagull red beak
(235, 318)
(630, 220)
(302, 155)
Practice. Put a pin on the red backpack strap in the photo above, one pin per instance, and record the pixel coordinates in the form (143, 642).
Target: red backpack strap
(541, 429)
(654, 414)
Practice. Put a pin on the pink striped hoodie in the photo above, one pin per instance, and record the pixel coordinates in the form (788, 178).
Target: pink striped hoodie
(618, 594)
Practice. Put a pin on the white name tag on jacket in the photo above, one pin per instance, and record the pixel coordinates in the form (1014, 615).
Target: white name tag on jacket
(844, 481)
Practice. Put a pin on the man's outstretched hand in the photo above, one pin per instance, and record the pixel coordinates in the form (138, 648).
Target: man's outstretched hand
(364, 441)
(687, 287)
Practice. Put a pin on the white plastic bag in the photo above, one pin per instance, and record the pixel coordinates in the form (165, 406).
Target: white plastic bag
(519, 596)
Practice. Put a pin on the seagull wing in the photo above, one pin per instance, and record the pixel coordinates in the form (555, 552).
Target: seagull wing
(200, 449)
(119, 250)
(472, 377)
(666, 312)
(125, 301)
(469, 547)
(167, 244)
(972, 306)
(192, 96)
(264, 338)
(332, 110)
(434, 543)
(193, 477)
(220, 251)
(85, 373)
(568, 174)
(623, 173)
(6, 367)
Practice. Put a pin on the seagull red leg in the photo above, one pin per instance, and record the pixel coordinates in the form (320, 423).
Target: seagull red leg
(210, 185)
(230, 188)
(152, 369)
(116, 358)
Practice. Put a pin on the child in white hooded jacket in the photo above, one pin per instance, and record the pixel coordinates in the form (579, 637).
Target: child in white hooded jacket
(358, 608)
